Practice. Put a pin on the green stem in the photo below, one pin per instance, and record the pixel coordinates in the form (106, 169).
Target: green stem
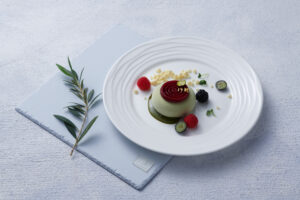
(83, 123)
(75, 145)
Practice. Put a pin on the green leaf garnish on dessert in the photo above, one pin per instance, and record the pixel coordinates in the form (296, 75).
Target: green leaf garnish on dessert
(203, 76)
(202, 82)
(210, 112)
(181, 83)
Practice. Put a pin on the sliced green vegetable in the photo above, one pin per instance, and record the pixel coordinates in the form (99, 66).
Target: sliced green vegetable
(221, 85)
(180, 127)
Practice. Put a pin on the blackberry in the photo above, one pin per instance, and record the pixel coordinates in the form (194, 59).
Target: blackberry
(202, 96)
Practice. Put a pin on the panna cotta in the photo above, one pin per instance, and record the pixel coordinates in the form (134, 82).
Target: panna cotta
(173, 100)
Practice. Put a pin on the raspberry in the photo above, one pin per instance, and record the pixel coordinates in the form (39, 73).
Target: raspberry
(143, 83)
(191, 121)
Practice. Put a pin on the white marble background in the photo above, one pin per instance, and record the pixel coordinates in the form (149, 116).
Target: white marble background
(36, 34)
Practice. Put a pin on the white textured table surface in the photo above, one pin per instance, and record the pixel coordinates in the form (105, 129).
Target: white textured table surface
(264, 165)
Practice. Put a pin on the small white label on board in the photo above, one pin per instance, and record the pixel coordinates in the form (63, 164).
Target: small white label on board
(143, 163)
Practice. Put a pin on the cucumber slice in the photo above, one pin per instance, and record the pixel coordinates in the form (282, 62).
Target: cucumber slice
(221, 85)
(180, 127)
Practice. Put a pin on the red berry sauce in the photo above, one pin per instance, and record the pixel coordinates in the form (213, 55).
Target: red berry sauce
(171, 92)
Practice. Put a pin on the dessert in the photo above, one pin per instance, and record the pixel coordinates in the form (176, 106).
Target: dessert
(172, 100)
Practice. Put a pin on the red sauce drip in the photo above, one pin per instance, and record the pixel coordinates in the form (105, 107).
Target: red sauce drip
(171, 92)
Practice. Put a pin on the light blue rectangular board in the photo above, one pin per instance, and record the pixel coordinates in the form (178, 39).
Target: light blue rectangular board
(103, 144)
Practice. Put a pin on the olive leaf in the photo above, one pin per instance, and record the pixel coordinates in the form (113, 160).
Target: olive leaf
(65, 120)
(88, 127)
(74, 112)
(94, 101)
(71, 130)
(68, 123)
(78, 110)
(81, 74)
(64, 70)
(91, 94)
(69, 62)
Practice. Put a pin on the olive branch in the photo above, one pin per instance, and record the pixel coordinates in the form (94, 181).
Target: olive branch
(78, 110)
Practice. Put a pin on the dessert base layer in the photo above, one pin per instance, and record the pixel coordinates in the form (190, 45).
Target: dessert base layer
(171, 109)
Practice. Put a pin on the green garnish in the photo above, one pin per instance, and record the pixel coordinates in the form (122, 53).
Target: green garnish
(202, 82)
(78, 110)
(181, 83)
(210, 112)
(203, 76)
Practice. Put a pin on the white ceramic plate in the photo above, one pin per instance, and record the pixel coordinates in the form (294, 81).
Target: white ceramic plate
(129, 112)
